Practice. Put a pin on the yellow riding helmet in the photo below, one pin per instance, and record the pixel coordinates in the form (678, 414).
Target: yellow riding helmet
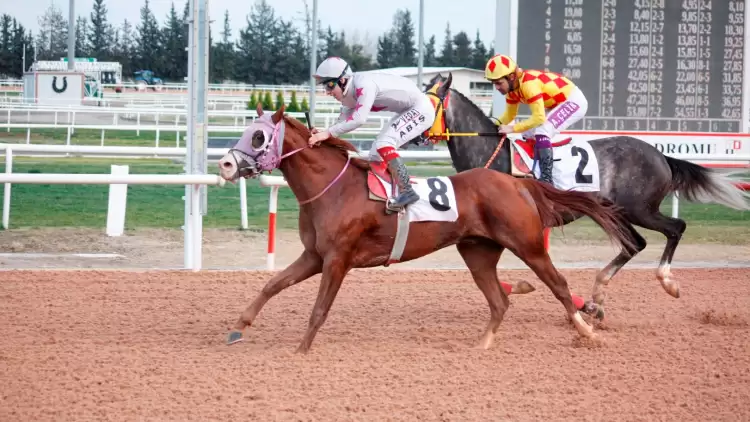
(499, 66)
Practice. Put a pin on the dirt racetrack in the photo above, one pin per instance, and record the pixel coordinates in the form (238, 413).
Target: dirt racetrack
(149, 345)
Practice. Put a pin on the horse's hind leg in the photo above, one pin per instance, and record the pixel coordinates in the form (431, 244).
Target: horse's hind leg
(537, 258)
(306, 266)
(481, 257)
(672, 228)
(605, 275)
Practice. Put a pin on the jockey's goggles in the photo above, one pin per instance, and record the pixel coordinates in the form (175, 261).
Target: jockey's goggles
(330, 84)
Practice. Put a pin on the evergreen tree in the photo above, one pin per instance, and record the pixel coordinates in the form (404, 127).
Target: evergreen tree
(101, 34)
(253, 102)
(386, 51)
(446, 55)
(173, 35)
(279, 100)
(148, 42)
(479, 54)
(429, 53)
(124, 49)
(52, 40)
(404, 51)
(358, 59)
(222, 55)
(82, 35)
(299, 72)
(12, 49)
(256, 44)
(6, 44)
(290, 64)
(293, 104)
(267, 101)
(462, 55)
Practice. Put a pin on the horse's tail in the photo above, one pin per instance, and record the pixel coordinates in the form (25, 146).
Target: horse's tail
(553, 203)
(700, 184)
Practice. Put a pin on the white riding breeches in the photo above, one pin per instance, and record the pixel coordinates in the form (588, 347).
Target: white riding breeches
(404, 127)
(562, 116)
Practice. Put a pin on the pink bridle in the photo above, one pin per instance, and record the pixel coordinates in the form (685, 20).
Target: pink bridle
(270, 158)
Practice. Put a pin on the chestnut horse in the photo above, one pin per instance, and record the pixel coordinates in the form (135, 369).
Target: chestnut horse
(343, 225)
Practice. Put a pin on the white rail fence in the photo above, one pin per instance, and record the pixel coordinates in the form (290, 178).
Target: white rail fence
(221, 88)
(159, 121)
(116, 208)
(213, 154)
(173, 101)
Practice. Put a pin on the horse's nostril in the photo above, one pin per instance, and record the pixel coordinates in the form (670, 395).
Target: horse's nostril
(226, 165)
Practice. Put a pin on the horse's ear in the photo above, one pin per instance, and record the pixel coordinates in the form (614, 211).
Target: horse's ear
(443, 89)
(278, 115)
(259, 109)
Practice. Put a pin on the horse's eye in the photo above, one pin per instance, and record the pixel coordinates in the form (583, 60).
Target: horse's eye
(258, 139)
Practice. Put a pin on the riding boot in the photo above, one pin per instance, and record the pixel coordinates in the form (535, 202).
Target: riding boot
(545, 156)
(400, 175)
(545, 164)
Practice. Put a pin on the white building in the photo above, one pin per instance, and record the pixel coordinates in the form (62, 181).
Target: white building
(470, 82)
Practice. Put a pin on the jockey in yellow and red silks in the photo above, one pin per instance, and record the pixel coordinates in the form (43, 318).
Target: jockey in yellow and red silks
(542, 91)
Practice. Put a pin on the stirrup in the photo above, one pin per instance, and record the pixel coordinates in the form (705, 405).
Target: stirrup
(391, 208)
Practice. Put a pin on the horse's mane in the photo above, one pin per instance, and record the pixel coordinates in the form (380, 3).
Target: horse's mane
(471, 104)
(336, 143)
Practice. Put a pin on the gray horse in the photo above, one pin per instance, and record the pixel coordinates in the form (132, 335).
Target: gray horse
(634, 175)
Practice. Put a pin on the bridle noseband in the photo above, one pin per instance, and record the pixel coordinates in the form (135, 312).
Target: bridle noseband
(262, 162)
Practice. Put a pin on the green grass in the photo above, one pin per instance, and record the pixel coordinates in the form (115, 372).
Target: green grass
(59, 136)
(162, 205)
(147, 205)
(131, 138)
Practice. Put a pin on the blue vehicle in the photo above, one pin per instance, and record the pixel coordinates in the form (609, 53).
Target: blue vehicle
(145, 79)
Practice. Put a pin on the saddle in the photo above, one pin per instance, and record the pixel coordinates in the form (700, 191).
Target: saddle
(518, 167)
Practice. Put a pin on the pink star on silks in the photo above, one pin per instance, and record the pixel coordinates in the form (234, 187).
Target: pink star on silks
(357, 107)
(350, 117)
(358, 92)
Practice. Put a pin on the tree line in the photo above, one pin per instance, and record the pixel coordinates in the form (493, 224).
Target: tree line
(268, 50)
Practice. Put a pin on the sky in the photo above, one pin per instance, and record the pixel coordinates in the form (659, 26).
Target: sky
(360, 18)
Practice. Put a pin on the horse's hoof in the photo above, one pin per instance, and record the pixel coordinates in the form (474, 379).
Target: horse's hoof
(522, 288)
(234, 337)
(670, 286)
(593, 309)
(599, 314)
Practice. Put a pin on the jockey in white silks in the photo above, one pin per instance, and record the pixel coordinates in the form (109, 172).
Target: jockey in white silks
(361, 93)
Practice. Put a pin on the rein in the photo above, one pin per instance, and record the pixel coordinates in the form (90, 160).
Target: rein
(448, 133)
(336, 179)
(497, 150)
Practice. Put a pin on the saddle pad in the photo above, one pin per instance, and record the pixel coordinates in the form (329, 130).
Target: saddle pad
(575, 167)
(437, 199)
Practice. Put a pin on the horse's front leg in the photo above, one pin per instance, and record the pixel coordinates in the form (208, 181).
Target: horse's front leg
(334, 270)
(306, 266)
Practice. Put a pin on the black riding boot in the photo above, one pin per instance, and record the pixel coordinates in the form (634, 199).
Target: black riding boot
(545, 157)
(400, 175)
